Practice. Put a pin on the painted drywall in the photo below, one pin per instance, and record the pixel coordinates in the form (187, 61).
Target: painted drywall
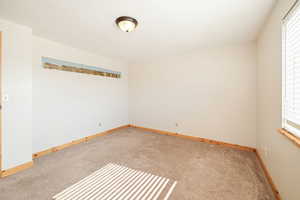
(281, 156)
(210, 93)
(16, 85)
(166, 27)
(68, 105)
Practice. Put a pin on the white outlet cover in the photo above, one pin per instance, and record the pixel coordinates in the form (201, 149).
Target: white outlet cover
(5, 98)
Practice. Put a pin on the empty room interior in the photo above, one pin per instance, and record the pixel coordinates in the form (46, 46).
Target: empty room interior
(150, 100)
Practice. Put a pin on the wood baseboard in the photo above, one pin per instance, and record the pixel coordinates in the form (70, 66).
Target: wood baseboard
(235, 146)
(22, 167)
(267, 174)
(74, 142)
(16, 169)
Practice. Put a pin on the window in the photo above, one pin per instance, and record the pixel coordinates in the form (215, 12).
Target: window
(291, 72)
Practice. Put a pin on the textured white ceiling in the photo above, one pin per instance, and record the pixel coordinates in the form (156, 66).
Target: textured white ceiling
(166, 27)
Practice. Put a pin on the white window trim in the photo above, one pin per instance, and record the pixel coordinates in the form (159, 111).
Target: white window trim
(284, 124)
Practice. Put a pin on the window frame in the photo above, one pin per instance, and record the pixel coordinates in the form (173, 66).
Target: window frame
(288, 130)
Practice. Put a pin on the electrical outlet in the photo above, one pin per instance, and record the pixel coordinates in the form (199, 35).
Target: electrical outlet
(176, 124)
(99, 124)
(266, 151)
(5, 98)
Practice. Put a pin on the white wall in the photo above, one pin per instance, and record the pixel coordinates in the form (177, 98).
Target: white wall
(282, 157)
(16, 83)
(210, 94)
(67, 105)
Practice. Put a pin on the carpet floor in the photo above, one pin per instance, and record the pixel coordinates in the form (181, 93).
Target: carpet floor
(203, 171)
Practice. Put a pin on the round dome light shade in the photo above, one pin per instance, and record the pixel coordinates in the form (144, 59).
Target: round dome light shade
(126, 24)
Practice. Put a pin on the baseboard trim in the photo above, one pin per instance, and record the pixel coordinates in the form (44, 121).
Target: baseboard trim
(199, 139)
(16, 169)
(74, 142)
(27, 165)
(269, 178)
(235, 146)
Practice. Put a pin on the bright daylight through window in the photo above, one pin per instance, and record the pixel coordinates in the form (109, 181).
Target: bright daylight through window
(291, 72)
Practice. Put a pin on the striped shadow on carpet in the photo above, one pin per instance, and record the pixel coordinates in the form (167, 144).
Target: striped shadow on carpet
(113, 182)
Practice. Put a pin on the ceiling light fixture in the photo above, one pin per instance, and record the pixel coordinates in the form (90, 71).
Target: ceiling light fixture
(126, 24)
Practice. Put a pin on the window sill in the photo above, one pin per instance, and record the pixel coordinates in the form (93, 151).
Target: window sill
(290, 136)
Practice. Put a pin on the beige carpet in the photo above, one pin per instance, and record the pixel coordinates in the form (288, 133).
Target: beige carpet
(203, 171)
